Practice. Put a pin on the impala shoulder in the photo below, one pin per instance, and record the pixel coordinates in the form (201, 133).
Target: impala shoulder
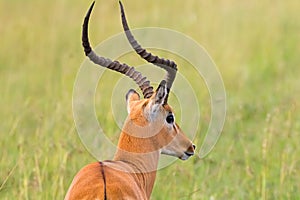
(86, 181)
(90, 172)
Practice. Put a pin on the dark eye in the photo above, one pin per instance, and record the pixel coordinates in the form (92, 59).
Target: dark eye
(170, 119)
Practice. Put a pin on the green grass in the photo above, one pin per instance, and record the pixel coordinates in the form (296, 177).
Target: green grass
(255, 44)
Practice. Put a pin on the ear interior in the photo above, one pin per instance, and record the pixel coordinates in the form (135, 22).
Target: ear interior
(158, 98)
(161, 93)
(131, 96)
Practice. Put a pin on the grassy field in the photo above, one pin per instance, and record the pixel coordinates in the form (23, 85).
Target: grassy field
(255, 45)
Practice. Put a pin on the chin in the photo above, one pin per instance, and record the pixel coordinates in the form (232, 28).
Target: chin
(184, 157)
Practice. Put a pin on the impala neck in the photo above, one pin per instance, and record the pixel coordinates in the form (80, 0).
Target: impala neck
(141, 156)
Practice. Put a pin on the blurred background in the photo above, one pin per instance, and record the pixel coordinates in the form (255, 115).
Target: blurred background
(255, 45)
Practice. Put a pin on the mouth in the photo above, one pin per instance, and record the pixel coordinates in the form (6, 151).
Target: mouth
(186, 155)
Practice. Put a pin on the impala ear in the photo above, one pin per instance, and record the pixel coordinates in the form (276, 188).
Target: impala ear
(158, 98)
(131, 96)
(160, 93)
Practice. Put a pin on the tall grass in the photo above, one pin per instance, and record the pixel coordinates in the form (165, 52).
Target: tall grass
(255, 45)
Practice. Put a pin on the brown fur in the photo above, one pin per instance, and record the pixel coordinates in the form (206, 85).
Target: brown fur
(131, 174)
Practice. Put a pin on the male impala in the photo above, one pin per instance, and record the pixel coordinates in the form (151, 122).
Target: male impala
(148, 131)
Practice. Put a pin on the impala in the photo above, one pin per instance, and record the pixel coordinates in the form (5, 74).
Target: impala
(149, 130)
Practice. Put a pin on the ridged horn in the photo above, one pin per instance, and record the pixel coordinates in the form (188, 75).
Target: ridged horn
(168, 65)
(139, 79)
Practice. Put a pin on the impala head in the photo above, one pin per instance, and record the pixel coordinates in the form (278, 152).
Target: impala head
(150, 119)
(153, 120)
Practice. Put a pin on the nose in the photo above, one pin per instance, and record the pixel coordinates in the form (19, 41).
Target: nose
(190, 151)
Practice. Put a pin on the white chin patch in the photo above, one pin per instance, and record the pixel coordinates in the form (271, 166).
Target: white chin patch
(171, 153)
(168, 152)
(184, 157)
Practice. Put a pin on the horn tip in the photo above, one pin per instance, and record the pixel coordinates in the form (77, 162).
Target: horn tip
(92, 5)
(120, 3)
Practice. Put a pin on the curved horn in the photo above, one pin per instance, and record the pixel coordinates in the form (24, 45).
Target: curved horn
(140, 80)
(168, 65)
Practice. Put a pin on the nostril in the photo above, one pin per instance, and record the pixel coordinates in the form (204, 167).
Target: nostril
(194, 146)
